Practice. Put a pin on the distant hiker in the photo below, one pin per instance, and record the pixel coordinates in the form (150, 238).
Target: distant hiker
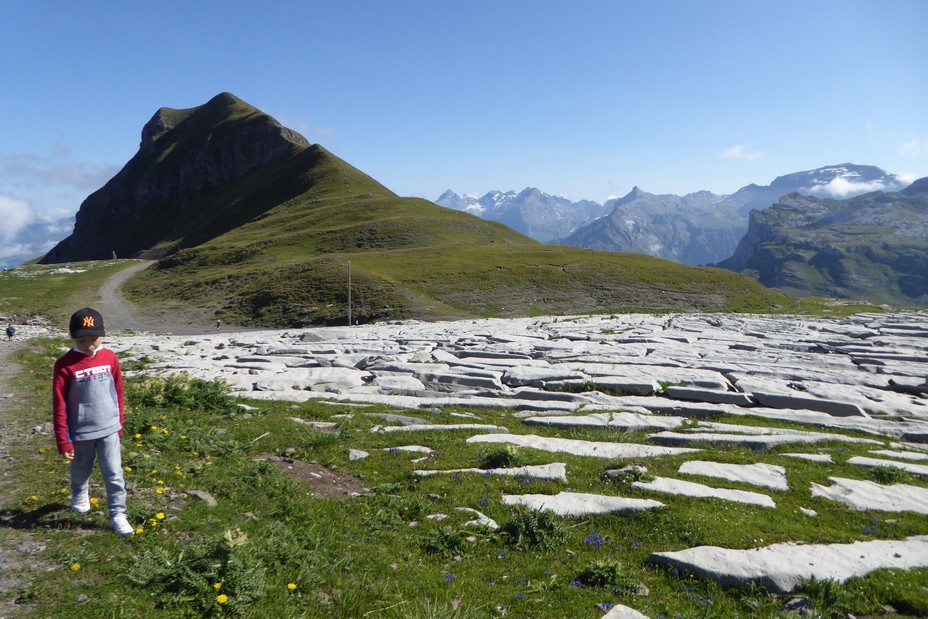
(88, 413)
(114, 254)
(218, 323)
(10, 331)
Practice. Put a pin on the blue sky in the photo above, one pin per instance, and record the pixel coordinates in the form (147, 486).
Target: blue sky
(584, 99)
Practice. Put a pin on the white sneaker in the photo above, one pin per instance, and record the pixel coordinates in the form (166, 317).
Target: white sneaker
(121, 525)
(80, 503)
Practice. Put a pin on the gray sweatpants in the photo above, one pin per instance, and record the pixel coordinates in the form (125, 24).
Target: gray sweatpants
(107, 451)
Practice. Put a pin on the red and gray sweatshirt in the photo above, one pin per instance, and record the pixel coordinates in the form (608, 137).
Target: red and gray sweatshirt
(87, 401)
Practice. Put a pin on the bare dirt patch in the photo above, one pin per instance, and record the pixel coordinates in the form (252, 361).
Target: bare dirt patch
(321, 480)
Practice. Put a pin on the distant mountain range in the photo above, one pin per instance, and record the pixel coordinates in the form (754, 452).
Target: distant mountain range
(695, 229)
(534, 213)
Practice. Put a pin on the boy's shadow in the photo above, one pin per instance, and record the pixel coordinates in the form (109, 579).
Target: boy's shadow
(50, 516)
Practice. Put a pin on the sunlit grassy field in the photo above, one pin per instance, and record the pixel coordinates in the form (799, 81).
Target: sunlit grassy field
(271, 548)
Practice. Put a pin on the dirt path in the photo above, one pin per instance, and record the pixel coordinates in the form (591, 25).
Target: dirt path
(122, 314)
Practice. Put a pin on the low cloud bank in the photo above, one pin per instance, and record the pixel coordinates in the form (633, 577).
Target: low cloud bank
(842, 188)
(26, 233)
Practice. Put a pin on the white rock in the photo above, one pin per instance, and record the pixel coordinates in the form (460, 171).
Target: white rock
(781, 567)
(759, 474)
(429, 427)
(577, 504)
(902, 455)
(625, 421)
(808, 512)
(688, 488)
(623, 612)
(481, 520)
(865, 495)
(812, 457)
(580, 448)
(556, 471)
(908, 467)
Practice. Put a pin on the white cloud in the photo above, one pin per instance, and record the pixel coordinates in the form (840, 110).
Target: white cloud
(28, 171)
(740, 152)
(15, 214)
(26, 233)
(916, 147)
(842, 188)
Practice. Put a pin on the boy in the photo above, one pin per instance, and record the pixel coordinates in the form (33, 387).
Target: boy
(88, 415)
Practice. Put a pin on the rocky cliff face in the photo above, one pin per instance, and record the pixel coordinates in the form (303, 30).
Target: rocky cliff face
(873, 247)
(185, 159)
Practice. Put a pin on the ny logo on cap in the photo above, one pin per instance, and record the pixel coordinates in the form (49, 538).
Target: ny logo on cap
(88, 321)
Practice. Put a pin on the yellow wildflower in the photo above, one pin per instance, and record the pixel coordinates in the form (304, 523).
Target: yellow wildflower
(222, 598)
(217, 586)
(160, 515)
(291, 586)
(75, 567)
(159, 491)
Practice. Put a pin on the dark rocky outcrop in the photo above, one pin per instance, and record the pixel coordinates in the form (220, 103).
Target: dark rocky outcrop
(873, 247)
(171, 193)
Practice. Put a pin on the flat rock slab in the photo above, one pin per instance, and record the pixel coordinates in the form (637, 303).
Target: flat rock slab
(623, 612)
(556, 471)
(901, 455)
(826, 458)
(581, 448)
(689, 488)
(709, 395)
(760, 474)
(428, 427)
(578, 504)
(623, 421)
(908, 467)
(781, 567)
(865, 495)
(829, 407)
(754, 442)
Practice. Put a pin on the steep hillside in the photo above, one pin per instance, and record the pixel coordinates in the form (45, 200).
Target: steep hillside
(254, 225)
(198, 173)
(872, 247)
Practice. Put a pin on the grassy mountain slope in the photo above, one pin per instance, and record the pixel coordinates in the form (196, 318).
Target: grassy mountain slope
(256, 225)
(412, 259)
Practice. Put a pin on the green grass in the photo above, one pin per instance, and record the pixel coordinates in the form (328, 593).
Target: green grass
(380, 555)
(47, 290)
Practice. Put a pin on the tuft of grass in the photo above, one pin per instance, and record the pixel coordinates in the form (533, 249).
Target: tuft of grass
(887, 474)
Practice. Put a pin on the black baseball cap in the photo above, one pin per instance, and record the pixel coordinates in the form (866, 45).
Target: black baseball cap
(86, 322)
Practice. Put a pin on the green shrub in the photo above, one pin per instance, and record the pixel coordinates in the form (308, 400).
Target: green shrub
(608, 575)
(505, 456)
(829, 596)
(204, 578)
(445, 541)
(530, 528)
(180, 391)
